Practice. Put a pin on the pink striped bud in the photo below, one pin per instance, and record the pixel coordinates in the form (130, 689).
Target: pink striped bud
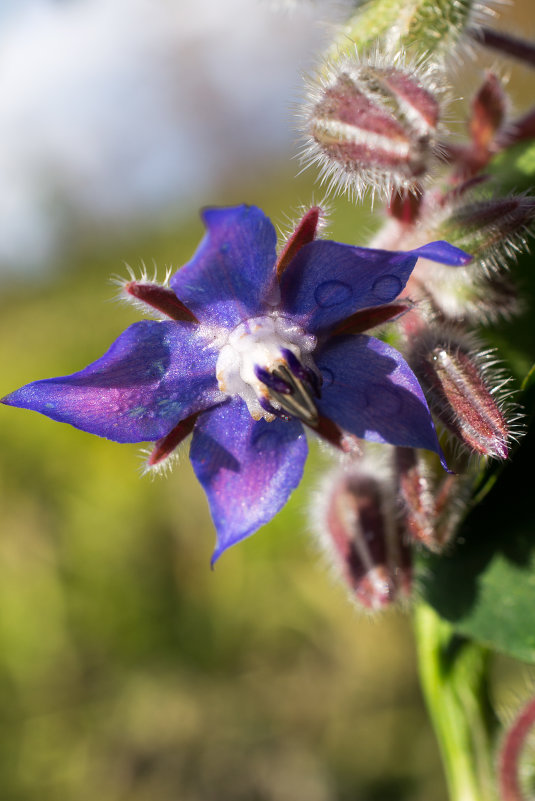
(461, 392)
(371, 124)
(431, 511)
(360, 533)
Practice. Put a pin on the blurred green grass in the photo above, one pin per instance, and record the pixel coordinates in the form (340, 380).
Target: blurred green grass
(130, 670)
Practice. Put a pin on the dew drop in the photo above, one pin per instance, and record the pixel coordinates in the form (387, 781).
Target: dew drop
(328, 377)
(265, 440)
(332, 293)
(387, 288)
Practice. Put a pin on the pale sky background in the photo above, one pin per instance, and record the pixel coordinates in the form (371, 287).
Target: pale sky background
(119, 111)
(114, 110)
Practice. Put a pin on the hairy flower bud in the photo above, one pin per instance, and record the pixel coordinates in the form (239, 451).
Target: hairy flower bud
(423, 26)
(489, 108)
(372, 124)
(461, 391)
(360, 533)
(492, 231)
(431, 511)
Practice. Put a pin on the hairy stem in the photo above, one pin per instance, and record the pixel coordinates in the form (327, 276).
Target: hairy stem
(513, 46)
(453, 675)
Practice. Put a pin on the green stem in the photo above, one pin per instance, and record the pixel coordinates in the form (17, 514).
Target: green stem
(453, 675)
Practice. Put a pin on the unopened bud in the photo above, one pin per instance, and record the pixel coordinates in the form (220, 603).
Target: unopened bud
(426, 28)
(431, 510)
(372, 125)
(492, 231)
(361, 535)
(489, 108)
(459, 389)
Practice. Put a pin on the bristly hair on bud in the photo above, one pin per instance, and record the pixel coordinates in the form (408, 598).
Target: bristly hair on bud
(357, 527)
(435, 29)
(372, 123)
(465, 390)
(432, 507)
(494, 230)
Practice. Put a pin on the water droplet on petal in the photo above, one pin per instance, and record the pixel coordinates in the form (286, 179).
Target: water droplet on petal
(332, 293)
(265, 440)
(327, 375)
(387, 288)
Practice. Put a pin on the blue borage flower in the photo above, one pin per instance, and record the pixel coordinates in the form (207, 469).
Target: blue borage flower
(253, 347)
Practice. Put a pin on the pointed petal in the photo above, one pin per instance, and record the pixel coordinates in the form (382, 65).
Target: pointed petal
(305, 232)
(442, 252)
(232, 271)
(155, 374)
(328, 281)
(247, 468)
(370, 391)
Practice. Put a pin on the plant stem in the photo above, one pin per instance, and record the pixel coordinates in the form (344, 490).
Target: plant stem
(505, 43)
(453, 675)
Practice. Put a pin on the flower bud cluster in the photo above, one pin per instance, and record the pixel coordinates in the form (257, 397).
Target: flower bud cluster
(376, 122)
(371, 123)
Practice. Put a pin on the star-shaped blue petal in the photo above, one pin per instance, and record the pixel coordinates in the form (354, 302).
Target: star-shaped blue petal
(250, 356)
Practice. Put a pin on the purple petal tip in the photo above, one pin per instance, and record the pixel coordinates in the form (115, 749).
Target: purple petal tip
(444, 253)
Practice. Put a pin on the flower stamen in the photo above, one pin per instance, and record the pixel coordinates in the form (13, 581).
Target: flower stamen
(298, 402)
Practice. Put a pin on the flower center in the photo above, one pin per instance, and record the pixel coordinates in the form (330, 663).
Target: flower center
(268, 362)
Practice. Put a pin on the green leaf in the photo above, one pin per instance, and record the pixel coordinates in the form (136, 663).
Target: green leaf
(486, 586)
(513, 170)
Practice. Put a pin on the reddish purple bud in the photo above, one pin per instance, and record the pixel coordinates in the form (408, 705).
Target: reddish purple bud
(460, 394)
(489, 108)
(418, 501)
(161, 299)
(431, 513)
(362, 537)
(519, 130)
(492, 230)
(405, 206)
(372, 124)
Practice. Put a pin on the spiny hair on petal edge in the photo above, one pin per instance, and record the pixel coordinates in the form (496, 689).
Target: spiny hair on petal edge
(286, 228)
(163, 467)
(142, 277)
(338, 177)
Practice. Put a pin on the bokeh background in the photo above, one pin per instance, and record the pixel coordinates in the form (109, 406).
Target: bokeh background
(128, 669)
